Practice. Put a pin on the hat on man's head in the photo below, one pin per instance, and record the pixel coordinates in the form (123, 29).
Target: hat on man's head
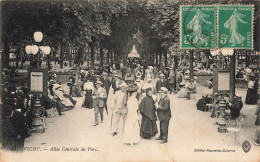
(123, 85)
(104, 73)
(132, 88)
(114, 72)
(99, 82)
(222, 103)
(163, 89)
(162, 75)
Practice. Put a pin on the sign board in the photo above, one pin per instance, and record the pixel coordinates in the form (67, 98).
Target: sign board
(221, 82)
(38, 81)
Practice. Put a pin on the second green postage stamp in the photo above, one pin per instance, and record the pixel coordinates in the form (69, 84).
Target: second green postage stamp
(235, 26)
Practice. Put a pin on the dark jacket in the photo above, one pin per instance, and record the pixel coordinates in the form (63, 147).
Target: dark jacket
(164, 110)
(160, 84)
(47, 102)
(147, 108)
(106, 83)
(19, 123)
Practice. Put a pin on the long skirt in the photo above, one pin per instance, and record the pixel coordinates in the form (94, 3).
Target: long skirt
(148, 128)
(88, 100)
(251, 96)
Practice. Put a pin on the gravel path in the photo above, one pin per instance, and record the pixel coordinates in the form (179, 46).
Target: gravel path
(189, 130)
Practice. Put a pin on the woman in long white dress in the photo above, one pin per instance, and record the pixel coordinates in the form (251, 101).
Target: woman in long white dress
(132, 127)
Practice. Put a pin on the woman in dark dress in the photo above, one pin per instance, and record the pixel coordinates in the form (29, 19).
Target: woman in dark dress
(147, 110)
(251, 96)
(89, 88)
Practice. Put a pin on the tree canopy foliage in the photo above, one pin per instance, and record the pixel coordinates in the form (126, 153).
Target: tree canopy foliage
(116, 25)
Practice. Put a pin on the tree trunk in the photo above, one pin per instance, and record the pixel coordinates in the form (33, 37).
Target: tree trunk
(191, 64)
(108, 55)
(207, 61)
(156, 57)
(247, 58)
(101, 56)
(160, 59)
(61, 56)
(112, 58)
(5, 58)
(165, 59)
(70, 56)
(92, 48)
(232, 75)
(22, 57)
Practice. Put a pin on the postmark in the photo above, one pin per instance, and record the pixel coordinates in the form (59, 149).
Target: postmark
(235, 26)
(198, 27)
(246, 146)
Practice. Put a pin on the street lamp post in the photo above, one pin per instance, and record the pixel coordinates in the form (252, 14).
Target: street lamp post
(36, 50)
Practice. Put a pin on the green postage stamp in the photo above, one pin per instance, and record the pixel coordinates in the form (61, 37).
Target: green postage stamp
(235, 26)
(198, 27)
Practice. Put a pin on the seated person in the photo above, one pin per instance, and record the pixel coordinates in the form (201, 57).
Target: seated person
(182, 92)
(206, 98)
(218, 102)
(49, 103)
(60, 96)
(236, 106)
(190, 88)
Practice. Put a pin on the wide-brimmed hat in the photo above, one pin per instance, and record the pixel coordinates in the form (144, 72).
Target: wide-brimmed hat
(132, 88)
(98, 82)
(104, 73)
(222, 103)
(123, 85)
(163, 89)
(114, 72)
(162, 75)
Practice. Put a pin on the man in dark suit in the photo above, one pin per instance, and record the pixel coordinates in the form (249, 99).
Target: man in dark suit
(161, 83)
(106, 82)
(18, 122)
(164, 114)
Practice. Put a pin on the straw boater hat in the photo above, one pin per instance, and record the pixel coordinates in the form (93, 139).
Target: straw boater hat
(123, 85)
(163, 89)
(99, 82)
(222, 103)
(104, 73)
(162, 75)
(132, 88)
(114, 72)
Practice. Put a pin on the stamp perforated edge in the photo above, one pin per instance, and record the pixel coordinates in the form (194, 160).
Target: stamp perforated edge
(216, 28)
(252, 16)
(197, 49)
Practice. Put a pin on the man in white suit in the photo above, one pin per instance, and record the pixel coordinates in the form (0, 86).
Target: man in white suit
(120, 108)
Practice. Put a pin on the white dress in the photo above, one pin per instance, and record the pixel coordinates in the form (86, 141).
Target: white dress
(132, 127)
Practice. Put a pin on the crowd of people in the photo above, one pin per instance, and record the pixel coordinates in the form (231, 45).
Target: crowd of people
(138, 94)
(132, 95)
(18, 110)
